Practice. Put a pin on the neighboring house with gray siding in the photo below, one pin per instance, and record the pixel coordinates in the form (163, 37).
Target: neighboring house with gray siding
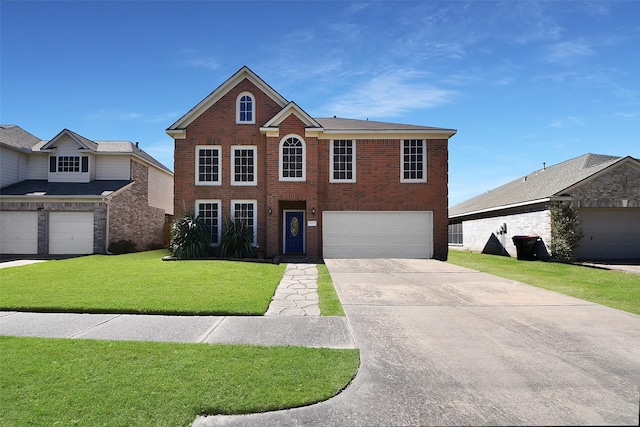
(604, 189)
(73, 195)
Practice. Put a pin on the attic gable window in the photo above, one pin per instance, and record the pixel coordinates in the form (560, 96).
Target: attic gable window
(245, 109)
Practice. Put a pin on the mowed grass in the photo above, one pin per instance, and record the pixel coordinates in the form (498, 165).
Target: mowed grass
(328, 298)
(121, 383)
(611, 288)
(140, 283)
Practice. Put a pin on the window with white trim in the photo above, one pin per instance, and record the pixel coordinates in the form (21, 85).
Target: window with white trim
(343, 161)
(245, 108)
(246, 211)
(292, 159)
(413, 161)
(209, 211)
(208, 165)
(69, 164)
(244, 167)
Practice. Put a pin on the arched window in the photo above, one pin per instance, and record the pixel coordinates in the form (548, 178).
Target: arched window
(292, 159)
(245, 108)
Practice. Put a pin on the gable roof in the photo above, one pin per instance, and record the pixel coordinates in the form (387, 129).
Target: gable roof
(540, 185)
(79, 139)
(14, 136)
(341, 125)
(291, 108)
(243, 73)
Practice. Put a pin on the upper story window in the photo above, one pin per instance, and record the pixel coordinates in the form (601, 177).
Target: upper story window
(209, 211)
(292, 159)
(413, 161)
(343, 161)
(208, 165)
(243, 159)
(68, 164)
(245, 108)
(246, 212)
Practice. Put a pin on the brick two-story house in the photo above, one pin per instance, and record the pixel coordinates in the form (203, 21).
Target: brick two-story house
(314, 187)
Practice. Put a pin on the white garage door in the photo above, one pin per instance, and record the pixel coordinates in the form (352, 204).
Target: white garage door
(71, 233)
(609, 233)
(19, 232)
(380, 234)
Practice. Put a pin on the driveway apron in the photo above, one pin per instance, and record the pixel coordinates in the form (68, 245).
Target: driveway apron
(444, 345)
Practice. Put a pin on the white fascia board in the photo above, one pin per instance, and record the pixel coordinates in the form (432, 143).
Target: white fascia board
(499, 208)
(177, 133)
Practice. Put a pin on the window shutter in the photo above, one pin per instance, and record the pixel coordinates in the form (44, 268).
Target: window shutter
(85, 164)
(52, 164)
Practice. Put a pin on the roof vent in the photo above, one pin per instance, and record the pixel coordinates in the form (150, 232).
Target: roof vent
(524, 179)
(544, 166)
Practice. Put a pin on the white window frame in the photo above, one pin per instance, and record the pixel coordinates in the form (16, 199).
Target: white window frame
(353, 163)
(424, 162)
(304, 159)
(69, 163)
(255, 216)
(218, 148)
(253, 148)
(219, 218)
(253, 109)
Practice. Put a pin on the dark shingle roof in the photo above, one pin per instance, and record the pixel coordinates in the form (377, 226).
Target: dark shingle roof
(93, 188)
(540, 184)
(339, 124)
(16, 137)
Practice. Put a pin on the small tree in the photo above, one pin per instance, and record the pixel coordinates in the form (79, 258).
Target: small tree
(236, 240)
(190, 237)
(565, 230)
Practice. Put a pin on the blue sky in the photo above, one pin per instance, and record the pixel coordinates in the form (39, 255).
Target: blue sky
(523, 82)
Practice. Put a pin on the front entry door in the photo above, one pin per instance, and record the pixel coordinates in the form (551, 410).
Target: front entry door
(293, 232)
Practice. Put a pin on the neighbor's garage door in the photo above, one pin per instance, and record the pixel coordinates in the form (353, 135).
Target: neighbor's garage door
(609, 233)
(356, 234)
(19, 232)
(71, 232)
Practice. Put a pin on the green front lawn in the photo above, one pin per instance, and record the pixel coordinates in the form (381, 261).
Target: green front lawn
(612, 288)
(64, 382)
(140, 283)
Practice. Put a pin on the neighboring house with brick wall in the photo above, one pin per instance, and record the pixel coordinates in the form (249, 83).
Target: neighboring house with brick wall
(604, 189)
(312, 187)
(72, 195)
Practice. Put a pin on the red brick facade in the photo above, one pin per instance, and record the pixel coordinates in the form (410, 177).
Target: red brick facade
(378, 161)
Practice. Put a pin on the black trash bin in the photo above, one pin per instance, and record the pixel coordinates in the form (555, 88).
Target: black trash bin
(526, 247)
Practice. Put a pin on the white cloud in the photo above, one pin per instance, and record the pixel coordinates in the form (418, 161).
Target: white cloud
(567, 52)
(388, 95)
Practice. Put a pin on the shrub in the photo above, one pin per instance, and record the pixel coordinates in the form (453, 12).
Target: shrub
(565, 230)
(122, 247)
(190, 237)
(236, 240)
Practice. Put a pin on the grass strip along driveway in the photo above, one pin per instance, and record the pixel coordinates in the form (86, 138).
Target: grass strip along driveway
(124, 383)
(611, 288)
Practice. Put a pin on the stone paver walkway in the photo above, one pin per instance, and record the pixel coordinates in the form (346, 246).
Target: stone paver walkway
(297, 293)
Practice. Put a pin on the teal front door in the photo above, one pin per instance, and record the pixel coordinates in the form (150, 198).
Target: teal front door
(294, 232)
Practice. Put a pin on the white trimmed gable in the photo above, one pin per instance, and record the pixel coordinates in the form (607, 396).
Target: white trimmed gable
(177, 130)
(271, 128)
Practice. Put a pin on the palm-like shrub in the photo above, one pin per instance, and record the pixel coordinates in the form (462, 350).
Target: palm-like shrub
(236, 240)
(190, 237)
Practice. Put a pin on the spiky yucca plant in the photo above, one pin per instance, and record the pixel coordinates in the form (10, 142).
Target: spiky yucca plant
(236, 240)
(190, 237)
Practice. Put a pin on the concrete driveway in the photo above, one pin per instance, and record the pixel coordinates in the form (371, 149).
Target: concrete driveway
(444, 345)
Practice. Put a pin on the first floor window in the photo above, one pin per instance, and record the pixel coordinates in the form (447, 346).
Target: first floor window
(413, 161)
(208, 164)
(455, 233)
(243, 159)
(209, 211)
(343, 165)
(245, 211)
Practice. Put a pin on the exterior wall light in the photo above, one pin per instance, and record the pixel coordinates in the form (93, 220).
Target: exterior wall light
(270, 211)
(313, 211)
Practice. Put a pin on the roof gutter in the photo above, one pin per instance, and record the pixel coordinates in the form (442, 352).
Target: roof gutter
(499, 208)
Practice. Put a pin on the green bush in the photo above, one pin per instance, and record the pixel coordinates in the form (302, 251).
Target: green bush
(236, 240)
(565, 230)
(122, 247)
(190, 237)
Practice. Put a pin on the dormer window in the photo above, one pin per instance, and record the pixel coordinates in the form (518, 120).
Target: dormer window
(69, 164)
(245, 109)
